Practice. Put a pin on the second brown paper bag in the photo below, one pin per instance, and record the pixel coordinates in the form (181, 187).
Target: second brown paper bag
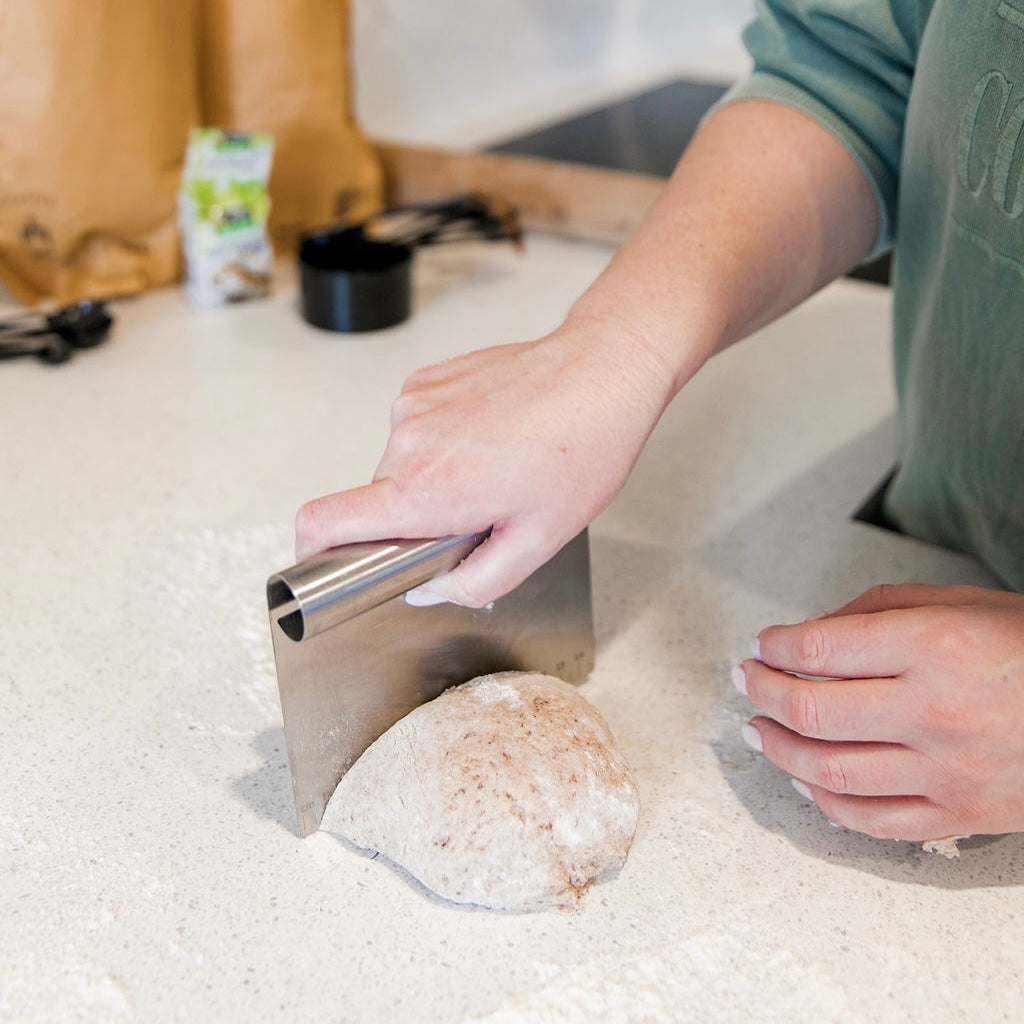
(283, 66)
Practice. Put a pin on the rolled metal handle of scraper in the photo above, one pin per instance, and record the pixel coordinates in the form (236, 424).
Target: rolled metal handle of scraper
(336, 585)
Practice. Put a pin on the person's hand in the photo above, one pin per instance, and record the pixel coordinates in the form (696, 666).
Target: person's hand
(529, 440)
(917, 731)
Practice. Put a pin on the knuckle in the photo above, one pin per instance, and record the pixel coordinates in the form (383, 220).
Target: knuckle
(942, 640)
(953, 635)
(418, 378)
(404, 440)
(880, 593)
(804, 712)
(832, 773)
(401, 408)
(814, 650)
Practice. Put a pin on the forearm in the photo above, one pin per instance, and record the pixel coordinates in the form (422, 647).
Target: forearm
(764, 209)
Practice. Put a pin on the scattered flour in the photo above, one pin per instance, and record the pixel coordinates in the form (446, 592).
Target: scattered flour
(211, 584)
(681, 979)
(76, 990)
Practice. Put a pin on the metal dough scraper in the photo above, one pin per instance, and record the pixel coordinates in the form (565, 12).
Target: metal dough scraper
(353, 657)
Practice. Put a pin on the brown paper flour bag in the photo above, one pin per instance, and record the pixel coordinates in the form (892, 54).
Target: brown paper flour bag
(96, 102)
(282, 66)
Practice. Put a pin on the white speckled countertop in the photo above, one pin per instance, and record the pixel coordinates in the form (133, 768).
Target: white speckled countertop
(149, 869)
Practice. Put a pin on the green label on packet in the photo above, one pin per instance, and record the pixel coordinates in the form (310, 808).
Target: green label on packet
(223, 210)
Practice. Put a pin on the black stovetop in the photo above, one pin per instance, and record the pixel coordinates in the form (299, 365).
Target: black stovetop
(645, 133)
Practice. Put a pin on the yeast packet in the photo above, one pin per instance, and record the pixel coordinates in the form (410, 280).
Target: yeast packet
(223, 206)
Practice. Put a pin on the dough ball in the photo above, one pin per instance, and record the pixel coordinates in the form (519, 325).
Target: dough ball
(506, 792)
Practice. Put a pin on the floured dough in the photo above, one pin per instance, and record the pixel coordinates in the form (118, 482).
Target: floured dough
(506, 791)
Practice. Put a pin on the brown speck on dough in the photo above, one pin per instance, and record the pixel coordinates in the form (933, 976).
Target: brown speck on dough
(581, 888)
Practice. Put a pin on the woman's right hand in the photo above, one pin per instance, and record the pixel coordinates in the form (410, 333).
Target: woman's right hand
(528, 440)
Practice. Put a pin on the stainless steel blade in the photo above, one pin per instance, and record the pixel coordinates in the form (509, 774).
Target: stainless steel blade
(353, 657)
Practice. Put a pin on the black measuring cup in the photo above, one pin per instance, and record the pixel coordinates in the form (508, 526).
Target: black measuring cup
(353, 283)
(360, 278)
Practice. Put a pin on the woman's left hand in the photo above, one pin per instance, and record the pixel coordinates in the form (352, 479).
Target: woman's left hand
(916, 730)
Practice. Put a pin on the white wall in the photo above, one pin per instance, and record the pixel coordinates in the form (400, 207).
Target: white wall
(472, 71)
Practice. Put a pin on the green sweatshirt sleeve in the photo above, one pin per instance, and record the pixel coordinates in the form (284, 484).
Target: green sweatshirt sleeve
(850, 66)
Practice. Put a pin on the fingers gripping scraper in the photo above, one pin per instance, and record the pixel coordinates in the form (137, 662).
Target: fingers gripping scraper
(353, 657)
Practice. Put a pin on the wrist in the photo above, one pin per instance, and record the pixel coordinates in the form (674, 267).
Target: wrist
(672, 344)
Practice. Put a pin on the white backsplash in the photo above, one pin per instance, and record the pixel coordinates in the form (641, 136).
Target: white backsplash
(457, 72)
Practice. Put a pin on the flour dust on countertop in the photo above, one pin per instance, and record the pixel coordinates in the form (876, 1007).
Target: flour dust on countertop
(210, 584)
